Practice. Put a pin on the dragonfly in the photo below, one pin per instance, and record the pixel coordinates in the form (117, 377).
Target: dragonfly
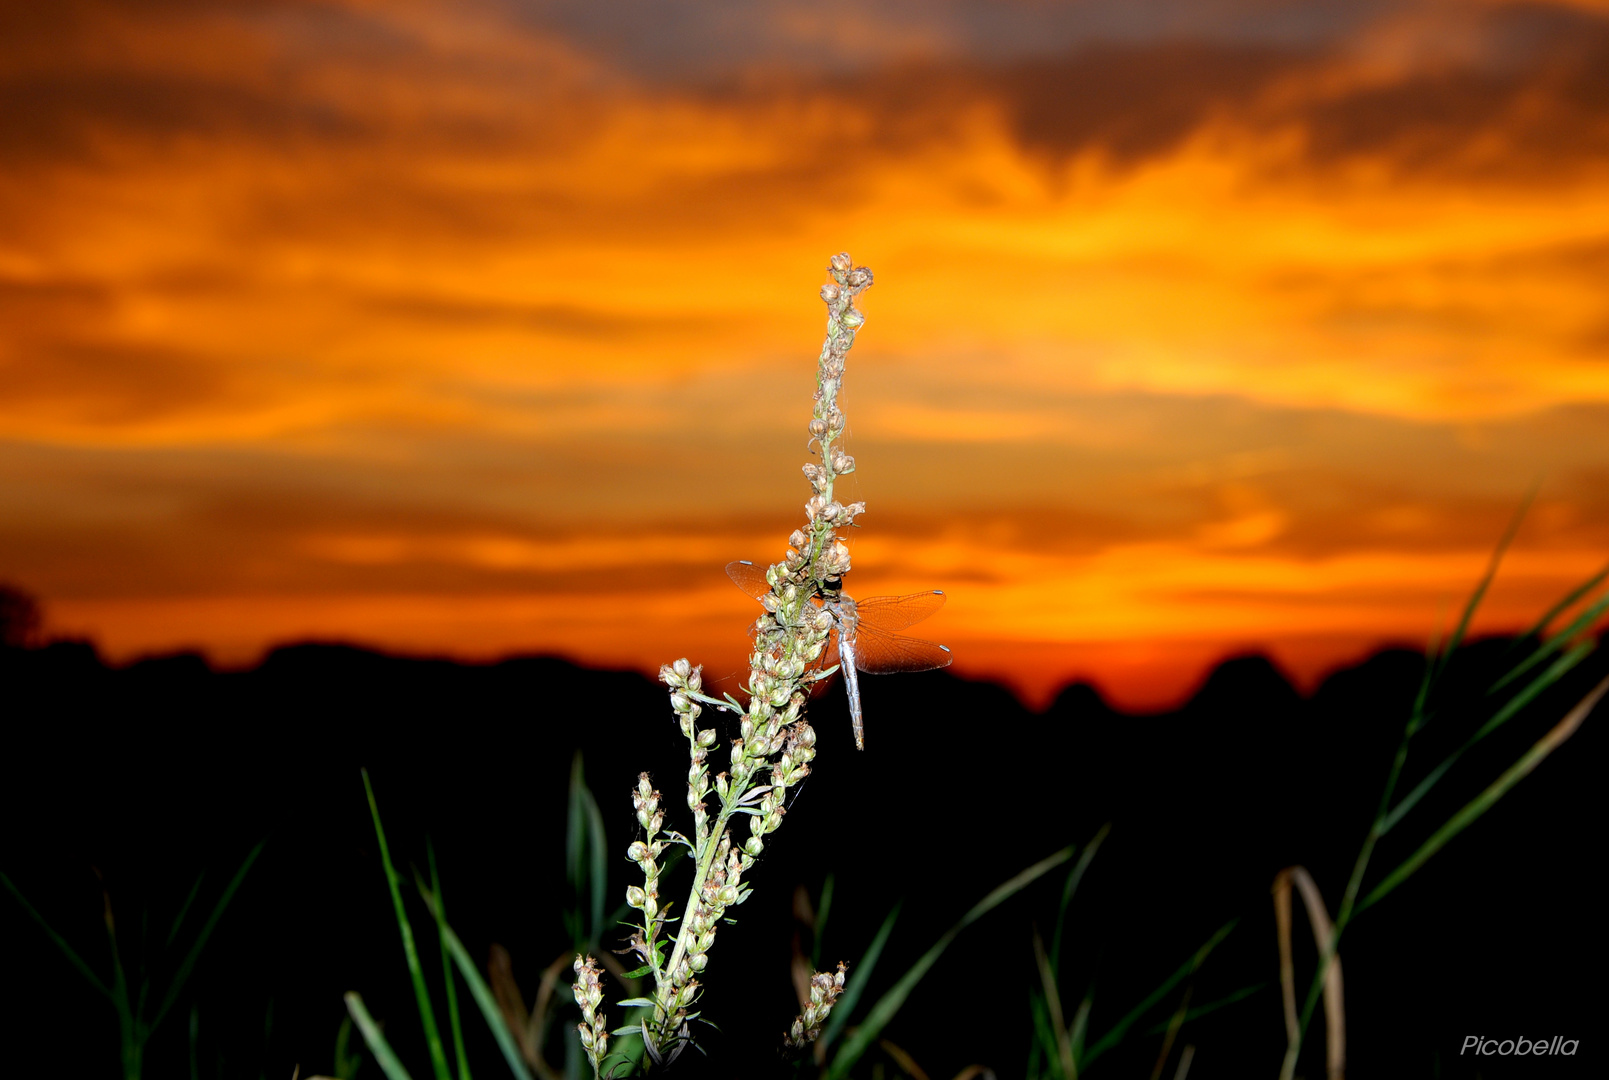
(865, 633)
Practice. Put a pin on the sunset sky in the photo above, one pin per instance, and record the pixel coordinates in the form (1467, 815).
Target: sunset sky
(479, 327)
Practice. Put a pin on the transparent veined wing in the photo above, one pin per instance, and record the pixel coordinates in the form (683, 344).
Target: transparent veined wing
(748, 577)
(891, 613)
(877, 653)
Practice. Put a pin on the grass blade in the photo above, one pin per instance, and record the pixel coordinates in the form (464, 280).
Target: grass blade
(60, 942)
(482, 993)
(447, 971)
(1483, 802)
(1074, 876)
(1080, 1027)
(891, 1002)
(421, 993)
(1121, 1028)
(1556, 671)
(182, 974)
(859, 977)
(1058, 1023)
(1559, 608)
(824, 909)
(184, 909)
(1318, 919)
(585, 866)
(1044, 1041)
(1211, 1006)
(1588, 616)
(383, 1054)
(1479, 594)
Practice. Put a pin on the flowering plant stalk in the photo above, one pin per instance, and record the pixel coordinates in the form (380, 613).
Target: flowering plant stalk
(772, 753)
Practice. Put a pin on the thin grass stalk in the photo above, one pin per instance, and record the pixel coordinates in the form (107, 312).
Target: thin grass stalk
(1174, 1024)
(1211, 1007)
(1486, 579)
(823, 910)
(1554, 642)
(479, 991)
(131, 1046)
(1435, 662)
(182, 974)
(1532, 690)
(184, 909)
(891, 1002)
(384, 1056)
(1053, 1010)
(56, 939)
(1473, 810)
(421, 993)
(1287, 973)
(903, 1059)
(859, 979)
(1334, 998)
(447, 971)
(1074, 877)
(1496, 790)
(1080, 1025)
(1119, 1030)
(1569, 600)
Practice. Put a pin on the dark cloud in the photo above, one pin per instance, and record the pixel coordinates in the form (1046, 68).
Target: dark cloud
(680, 40)
(109, 383)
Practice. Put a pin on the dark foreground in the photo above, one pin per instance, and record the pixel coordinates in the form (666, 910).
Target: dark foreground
(148, 774)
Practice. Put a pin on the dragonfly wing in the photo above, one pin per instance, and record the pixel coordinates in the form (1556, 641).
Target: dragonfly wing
(877, 653)
(891, 613)
(748, 577)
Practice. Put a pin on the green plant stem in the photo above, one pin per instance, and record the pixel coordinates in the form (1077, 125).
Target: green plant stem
(446, 967)
(706, 861)
(427, 1014)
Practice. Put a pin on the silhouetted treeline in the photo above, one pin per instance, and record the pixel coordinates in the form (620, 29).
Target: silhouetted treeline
(149, 773)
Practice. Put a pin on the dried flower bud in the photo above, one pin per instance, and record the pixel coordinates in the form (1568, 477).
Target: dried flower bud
(829, 292)
(854, 318)
(859, 278)
(797, 538)
(818, 428)
(841, 262)
(843, 463)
